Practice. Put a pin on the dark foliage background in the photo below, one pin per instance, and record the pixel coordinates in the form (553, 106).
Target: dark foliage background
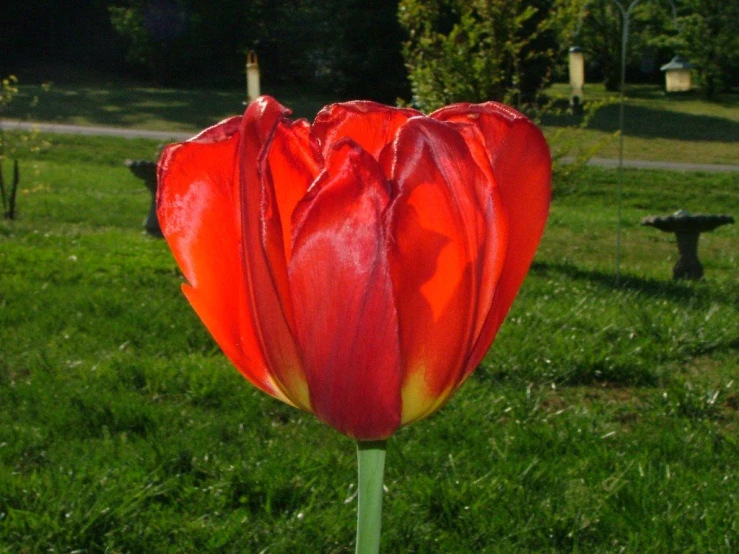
(346, 47)
(354, 48)
(47, 32)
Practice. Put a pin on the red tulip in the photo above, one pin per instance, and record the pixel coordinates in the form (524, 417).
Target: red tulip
(359, 267)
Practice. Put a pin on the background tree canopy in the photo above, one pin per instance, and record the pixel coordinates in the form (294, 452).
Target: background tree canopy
(703, 31)
(460, 50)
(450, 49)
(343, 47)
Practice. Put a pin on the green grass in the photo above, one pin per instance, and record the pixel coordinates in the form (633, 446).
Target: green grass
(680, 128)
(140, 107)
(683, 128)
(604, 420)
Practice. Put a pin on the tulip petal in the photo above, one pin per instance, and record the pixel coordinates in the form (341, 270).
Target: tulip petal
(520, 160)
(289, 163)
(449, 234)
(262, 289)
(197, 207)
(343, 297)
(369, 124)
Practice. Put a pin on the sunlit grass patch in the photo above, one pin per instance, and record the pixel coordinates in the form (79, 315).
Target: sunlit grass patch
(604, 419)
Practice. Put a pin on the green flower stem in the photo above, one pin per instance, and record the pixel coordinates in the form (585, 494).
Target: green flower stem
(371, 458)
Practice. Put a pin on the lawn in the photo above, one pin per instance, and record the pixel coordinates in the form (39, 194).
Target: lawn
(681, 128)
(145, 107)
(676, 128)
(605, 418)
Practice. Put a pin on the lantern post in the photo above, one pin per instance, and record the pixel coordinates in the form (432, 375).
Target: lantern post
(625, 18)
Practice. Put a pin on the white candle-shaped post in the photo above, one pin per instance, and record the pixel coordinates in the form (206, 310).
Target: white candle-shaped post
(252, 76)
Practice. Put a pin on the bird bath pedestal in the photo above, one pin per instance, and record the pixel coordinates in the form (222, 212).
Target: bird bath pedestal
(687, 228)
(147, 172)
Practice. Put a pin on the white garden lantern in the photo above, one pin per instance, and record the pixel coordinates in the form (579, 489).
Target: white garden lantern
(677, 75)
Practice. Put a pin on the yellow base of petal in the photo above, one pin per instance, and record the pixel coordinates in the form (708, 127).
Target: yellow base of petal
(418, 401)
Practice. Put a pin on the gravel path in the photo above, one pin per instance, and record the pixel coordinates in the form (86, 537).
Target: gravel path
(179, 136)
(64, 129)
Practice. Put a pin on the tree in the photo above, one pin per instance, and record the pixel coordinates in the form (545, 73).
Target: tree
(602, 29)
(335, 45)
(709, 37)
(477, 50)
(704, 31)
(154, 31)
(597, 27)
(368, 58)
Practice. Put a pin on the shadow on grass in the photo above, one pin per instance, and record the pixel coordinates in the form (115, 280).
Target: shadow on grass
(684, 292)
(144, 107)
(652, 92)
(645, 122)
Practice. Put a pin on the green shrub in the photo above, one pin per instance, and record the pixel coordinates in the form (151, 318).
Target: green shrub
(461, 51)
